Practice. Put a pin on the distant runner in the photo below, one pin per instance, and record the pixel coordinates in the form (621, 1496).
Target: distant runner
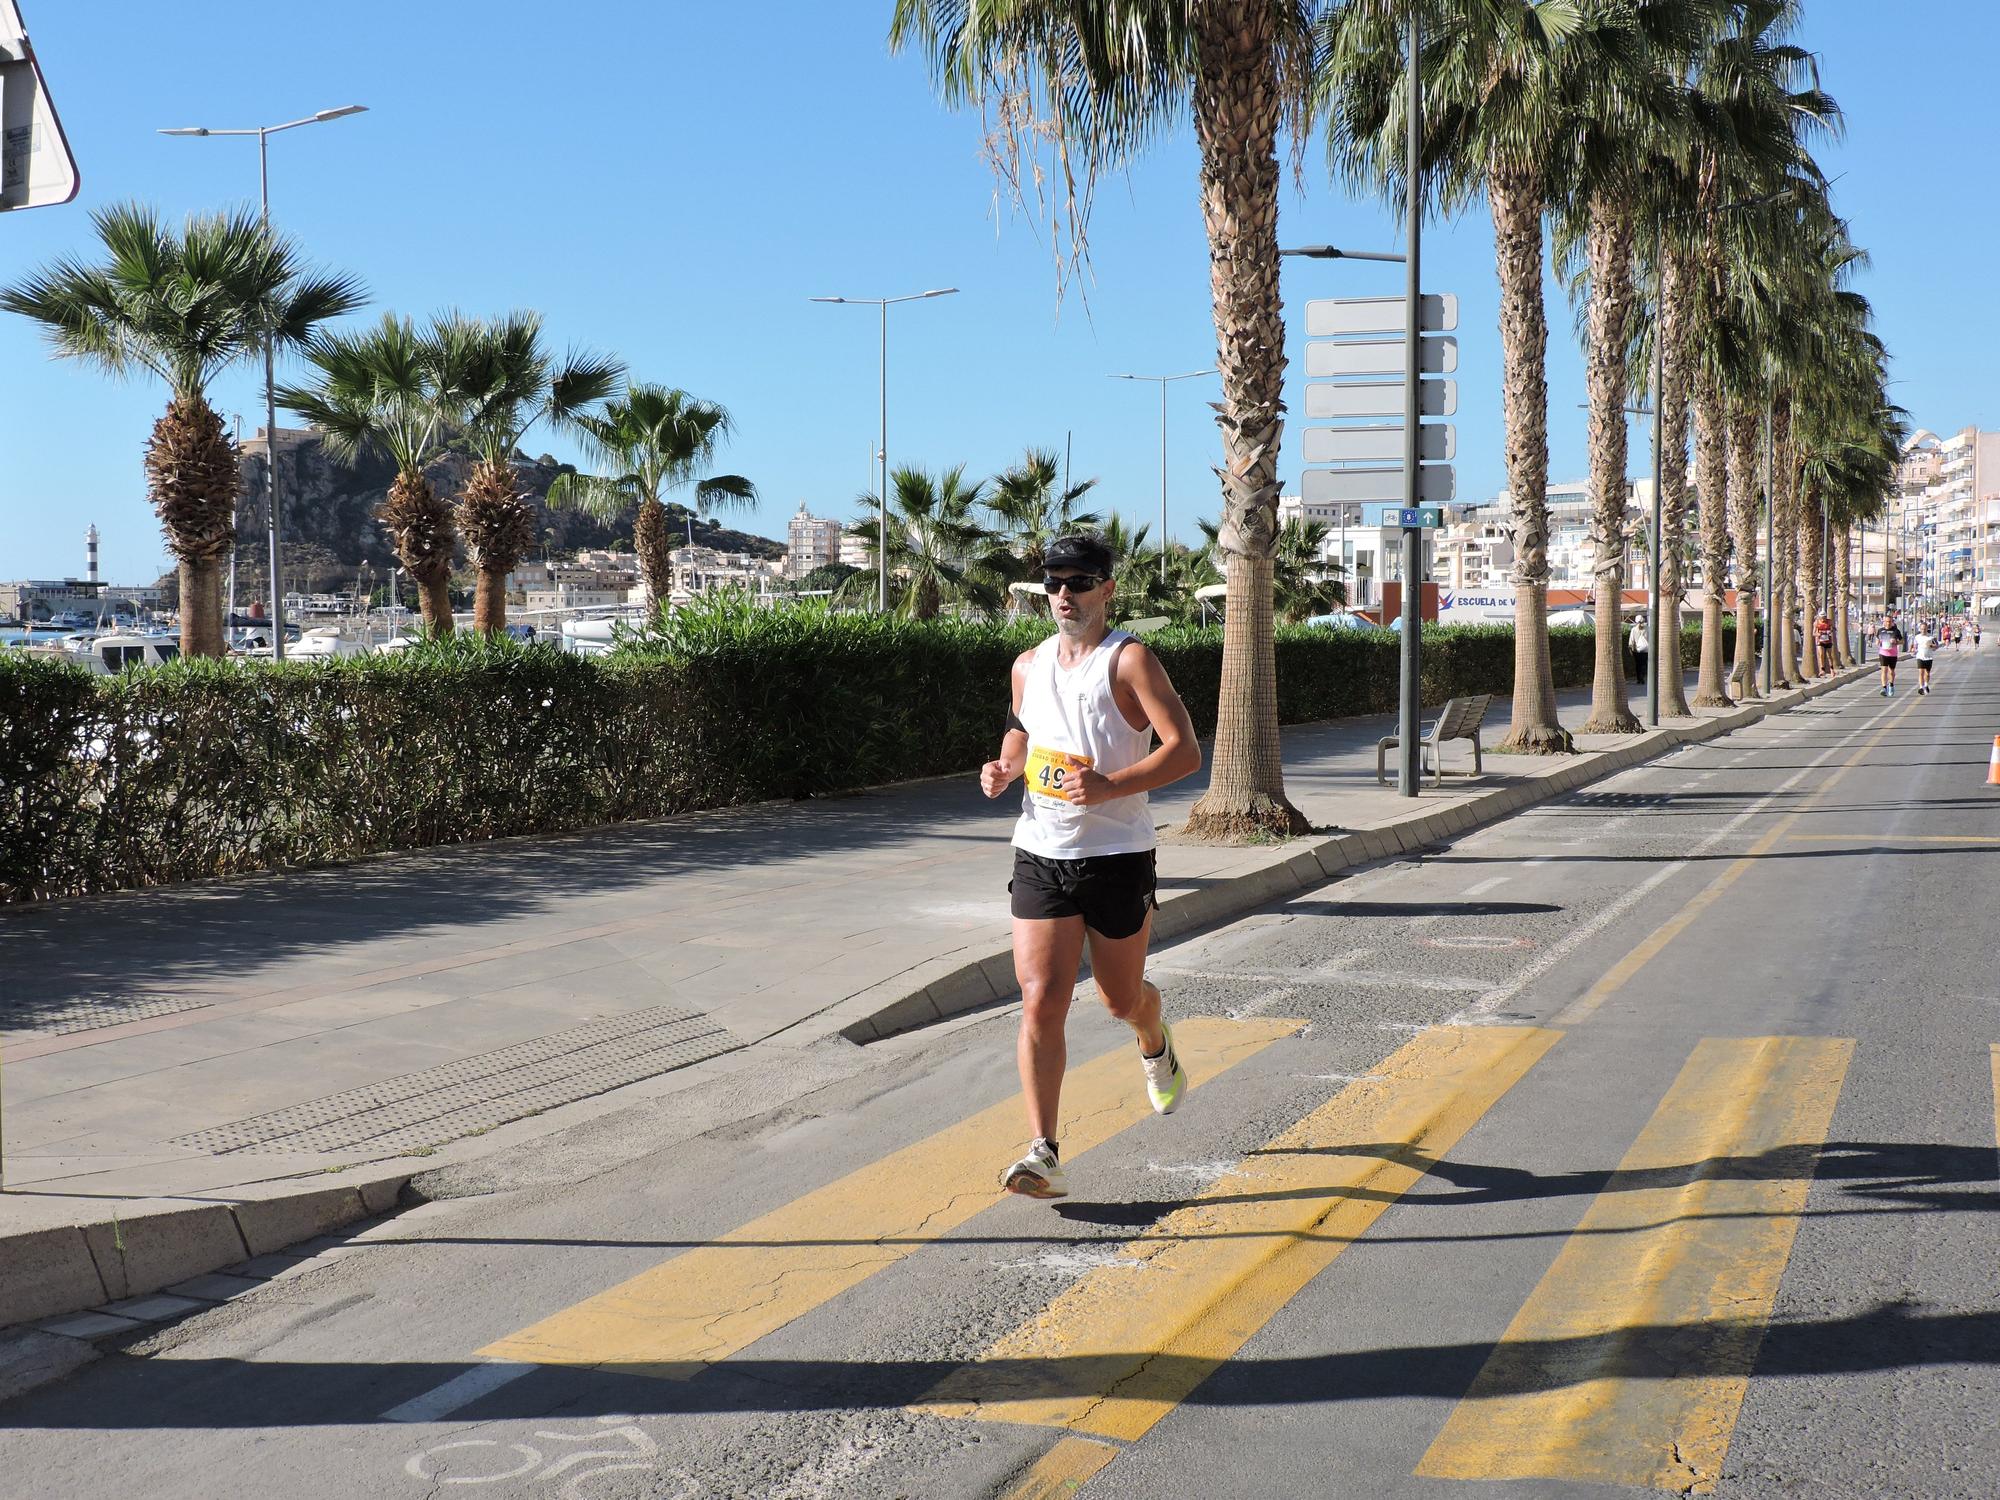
(1888, 646)
(1923, 646)
(1823, 641)
(1087, 703)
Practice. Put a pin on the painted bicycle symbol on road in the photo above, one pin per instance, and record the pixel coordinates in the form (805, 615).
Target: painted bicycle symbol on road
(492, 1461)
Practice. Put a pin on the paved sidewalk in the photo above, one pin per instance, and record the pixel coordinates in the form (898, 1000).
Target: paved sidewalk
(231, 1047)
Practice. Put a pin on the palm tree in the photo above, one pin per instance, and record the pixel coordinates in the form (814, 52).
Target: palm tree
(1307, 581)
(512, 382)
(1502, 82)
(396, 387)
(184, 306)
(1033, 506)
(1629, 124)
(936, 548)
(1756, 102)
(654, 440)
(1102, 79)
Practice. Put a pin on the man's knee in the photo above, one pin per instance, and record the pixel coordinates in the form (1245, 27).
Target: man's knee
(1127, 1002)
(1044, 1003)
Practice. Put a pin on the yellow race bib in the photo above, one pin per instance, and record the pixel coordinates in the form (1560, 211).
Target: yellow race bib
(1052, 772)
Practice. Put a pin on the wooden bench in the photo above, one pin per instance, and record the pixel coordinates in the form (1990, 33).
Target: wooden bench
(1459, 719)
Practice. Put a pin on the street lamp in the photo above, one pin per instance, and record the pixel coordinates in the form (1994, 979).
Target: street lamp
(1164, 381)
(263, 133)
(882, 495)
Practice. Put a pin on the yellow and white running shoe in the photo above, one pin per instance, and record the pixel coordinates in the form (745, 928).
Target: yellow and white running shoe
(1166, 1079)
(1037, 1175)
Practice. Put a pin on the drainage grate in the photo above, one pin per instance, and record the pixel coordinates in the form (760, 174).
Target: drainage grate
(20, 1018)
(477, 1093)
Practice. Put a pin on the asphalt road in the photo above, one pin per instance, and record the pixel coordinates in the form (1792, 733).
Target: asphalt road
(1646, 1139)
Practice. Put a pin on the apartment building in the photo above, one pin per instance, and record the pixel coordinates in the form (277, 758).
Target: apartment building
(811, 542)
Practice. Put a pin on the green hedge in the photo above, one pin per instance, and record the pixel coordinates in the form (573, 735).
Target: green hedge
(202, 769)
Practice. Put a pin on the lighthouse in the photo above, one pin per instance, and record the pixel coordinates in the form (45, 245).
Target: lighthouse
(90, 553)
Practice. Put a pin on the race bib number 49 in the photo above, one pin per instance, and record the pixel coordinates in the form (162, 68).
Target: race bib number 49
(1052, 772)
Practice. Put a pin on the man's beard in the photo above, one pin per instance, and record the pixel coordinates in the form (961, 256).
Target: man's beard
(1081, 623)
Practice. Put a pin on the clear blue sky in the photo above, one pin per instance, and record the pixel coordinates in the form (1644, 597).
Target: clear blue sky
(671, 183)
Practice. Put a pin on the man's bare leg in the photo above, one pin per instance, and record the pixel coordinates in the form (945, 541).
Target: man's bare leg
(1046, 955)
(1119, 967)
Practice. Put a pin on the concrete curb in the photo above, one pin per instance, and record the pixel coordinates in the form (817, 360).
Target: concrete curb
(954, 985)
(108, 1279)
(49, 1271)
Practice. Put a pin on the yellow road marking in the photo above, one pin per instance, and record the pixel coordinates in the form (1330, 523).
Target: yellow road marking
(1121, 1348)
(1628, 1363)
(702, 1306)
(1620, 974)
(1063, 1470)
(1894, 838)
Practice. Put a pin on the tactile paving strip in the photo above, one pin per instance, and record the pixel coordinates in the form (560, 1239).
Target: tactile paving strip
(477, 1093)
(89, 1012)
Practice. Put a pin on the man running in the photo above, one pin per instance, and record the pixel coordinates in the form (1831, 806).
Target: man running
(1087, 703)
(1889, 644)
(1923, 646)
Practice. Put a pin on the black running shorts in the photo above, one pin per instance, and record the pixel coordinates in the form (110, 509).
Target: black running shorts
(1111, 892)
(1889, 662)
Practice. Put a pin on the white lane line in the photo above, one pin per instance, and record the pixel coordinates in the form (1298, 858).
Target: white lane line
(1493, 999)
(1261, 1004)
(1487, 885)
(460, 1390)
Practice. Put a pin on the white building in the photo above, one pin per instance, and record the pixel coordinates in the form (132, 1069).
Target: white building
(1944, 519)
(698, 570)
(812, 542)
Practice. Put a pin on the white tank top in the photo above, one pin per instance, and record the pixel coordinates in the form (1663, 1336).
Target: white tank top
(1073, 721)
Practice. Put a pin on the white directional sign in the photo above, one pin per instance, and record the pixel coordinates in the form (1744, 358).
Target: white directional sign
(1378, 398)
(1436, 485)
(1379, 357)
(36, 168)
(1436, 441)
(1331, 316)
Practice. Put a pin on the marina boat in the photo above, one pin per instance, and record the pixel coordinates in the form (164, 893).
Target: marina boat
(112, 654)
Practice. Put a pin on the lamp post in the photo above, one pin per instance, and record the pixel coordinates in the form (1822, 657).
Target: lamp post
(1164, 381)
(882, 495)
(263, 134)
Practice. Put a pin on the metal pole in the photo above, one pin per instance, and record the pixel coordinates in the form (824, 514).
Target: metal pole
(1656, 599)
(1163, 480)
(1409, 774)
(1770, 559)
(882, 495)
(271, 430)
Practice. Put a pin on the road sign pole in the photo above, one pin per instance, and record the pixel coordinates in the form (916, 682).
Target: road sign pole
(1409, 775)
(1653, 664)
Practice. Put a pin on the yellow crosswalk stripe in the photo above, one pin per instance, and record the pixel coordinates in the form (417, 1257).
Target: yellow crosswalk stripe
(1122, 1347)
(1628, 1363)
(702, 1306)
(1061, 1471)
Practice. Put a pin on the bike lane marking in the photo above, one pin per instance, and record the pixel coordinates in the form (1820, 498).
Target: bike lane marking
(1115, 1352)
(1629, 1361)
(703, 1305)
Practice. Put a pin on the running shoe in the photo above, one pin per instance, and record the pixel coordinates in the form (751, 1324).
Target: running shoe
(1037, 1175)
(1166, 1079)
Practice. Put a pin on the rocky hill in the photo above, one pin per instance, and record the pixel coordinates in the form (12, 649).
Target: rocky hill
(330, 506)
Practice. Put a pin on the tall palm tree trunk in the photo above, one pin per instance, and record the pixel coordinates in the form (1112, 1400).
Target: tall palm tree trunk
(1711, 479)
(1813, 604)
(499, 527)
(1673, 406)
(1236, 112)
(1785, 538)
(651, 534)
(420, 525)
(1843, 639)
(1609, 246)
(193, 478)
(1516, 201)
(1743, 517)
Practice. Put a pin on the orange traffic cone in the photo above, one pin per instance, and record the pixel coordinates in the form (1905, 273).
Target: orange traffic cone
(1993, 765)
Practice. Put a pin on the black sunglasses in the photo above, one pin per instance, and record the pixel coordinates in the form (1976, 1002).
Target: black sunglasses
(1076, 583)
